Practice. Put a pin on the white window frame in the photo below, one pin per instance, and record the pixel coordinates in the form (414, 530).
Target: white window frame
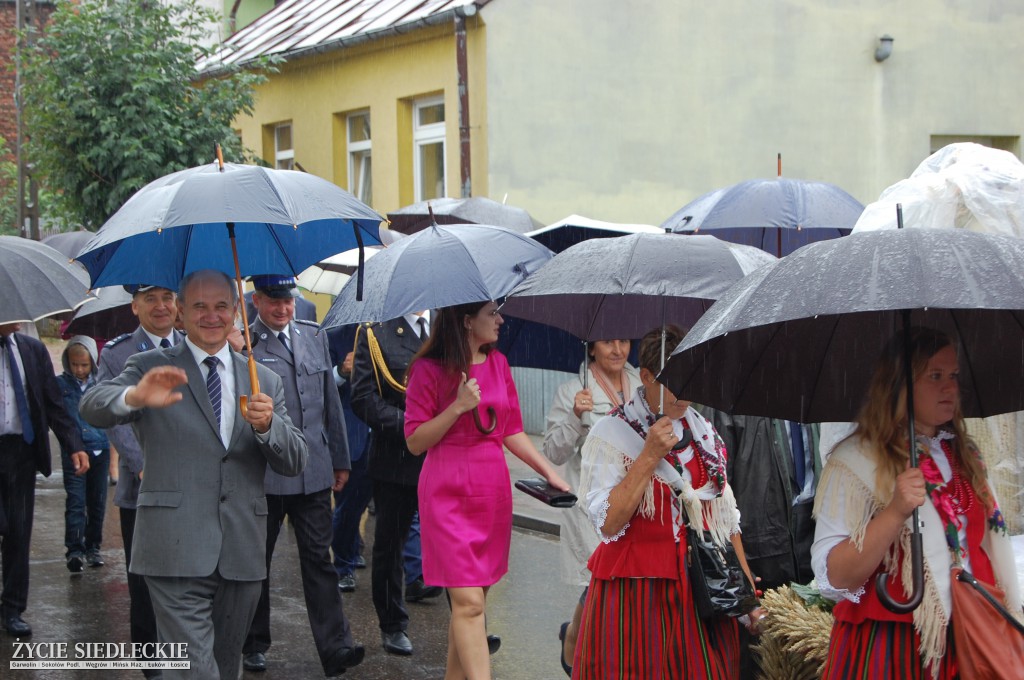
(286, 156)
(360, 159)
(423, 135)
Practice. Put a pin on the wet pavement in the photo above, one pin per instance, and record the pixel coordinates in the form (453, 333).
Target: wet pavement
(525, 608)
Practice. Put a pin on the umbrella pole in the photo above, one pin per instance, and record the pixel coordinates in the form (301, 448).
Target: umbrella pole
(661, 402)
(254, 381)
(586, 364)
(916, 544)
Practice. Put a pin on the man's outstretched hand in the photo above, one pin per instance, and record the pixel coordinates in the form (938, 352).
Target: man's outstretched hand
(157, 388)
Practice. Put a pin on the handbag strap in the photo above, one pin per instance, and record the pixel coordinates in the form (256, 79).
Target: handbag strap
(968, 578)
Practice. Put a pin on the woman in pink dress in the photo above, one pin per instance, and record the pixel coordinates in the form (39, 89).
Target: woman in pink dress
(465, 495)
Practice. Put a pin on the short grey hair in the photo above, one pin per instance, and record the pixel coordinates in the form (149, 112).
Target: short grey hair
(206, 274)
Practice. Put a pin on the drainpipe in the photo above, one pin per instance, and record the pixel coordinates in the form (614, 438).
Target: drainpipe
(233, 17)
(462, 67)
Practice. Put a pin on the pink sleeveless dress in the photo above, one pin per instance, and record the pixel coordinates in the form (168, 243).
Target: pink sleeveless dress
(465, 495)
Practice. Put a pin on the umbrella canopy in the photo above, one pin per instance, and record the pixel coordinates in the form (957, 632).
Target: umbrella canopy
(576, 228)
(799, 339)
(107, 315)
(37, 281)
(439, 267)
(283, 221)
(623, 287)
(476, 210)
(69, 243)
(775, 215)
(329, 275)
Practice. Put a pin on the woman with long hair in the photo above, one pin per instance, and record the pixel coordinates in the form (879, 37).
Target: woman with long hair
(864, 503)
(461, 410)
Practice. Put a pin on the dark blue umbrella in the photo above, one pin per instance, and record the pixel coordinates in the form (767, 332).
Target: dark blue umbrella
(283, 221)
(776, 215)
(243, 220)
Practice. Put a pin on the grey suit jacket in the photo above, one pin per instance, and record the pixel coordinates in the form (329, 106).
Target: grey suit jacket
(313, 404)
(113, 358)
(201, 507)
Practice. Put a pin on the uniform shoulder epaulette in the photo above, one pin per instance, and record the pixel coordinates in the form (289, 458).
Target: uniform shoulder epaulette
(120, 338)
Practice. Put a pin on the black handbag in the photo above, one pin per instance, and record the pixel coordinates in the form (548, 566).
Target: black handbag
(718, 584)
(544, 492)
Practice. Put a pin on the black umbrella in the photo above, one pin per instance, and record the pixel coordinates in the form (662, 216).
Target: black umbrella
(69, 243)
(108, 315)
(798, 339)
(476, 210)
(775, 215)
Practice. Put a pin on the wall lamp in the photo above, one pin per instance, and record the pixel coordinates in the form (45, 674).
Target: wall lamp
(884, 49)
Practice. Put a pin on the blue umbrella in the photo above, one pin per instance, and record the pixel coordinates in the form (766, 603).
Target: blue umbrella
(775, 215)
(243, 220)
(282, 221)
(439, 267)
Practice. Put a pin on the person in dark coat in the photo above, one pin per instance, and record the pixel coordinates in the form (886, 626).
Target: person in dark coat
(30, 404)
(382, 355)
(298, 353)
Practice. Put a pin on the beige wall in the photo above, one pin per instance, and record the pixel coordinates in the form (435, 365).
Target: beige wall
(625, 111)
(384, 77)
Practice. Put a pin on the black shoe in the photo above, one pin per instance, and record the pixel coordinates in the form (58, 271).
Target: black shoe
(255, 662)
(346, 657)
(347, 584)
(561, 649)
(397, 643)
(359, 562)
(94, 559)
(417, 591)
(76, 563)
(16, 626)
(493, 644)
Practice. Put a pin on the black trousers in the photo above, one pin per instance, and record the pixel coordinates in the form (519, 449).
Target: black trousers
(395, 504)
(18, 497)
(310, 516)
(142, 623)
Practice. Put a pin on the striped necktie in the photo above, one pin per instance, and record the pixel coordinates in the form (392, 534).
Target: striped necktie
(213, 385)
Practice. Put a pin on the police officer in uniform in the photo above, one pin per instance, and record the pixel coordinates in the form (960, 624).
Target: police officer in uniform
(298, 352)
(156, 309)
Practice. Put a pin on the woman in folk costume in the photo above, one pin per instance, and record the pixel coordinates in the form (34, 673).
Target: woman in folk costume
(639, 620)
(577, 405)
(864, 504)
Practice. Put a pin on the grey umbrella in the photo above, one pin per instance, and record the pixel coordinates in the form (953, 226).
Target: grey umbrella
(799, 339)
(776, 215)
(475, 210)
(622, 287)
(37, 281)
(439, 267)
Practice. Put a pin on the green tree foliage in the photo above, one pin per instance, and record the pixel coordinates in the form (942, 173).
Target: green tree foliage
(8, 192)
(113, 101)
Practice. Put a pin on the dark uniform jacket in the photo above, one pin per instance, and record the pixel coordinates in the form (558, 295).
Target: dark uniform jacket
(381, 406)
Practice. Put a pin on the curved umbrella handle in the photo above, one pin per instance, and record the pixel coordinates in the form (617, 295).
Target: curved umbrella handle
(491, 415)
(917, 572)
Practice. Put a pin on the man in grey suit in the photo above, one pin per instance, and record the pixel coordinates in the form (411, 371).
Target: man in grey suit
(200, 531)
(299, 354)
(156, 308)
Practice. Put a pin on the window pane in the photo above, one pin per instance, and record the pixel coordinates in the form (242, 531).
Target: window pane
(431, 171)
(359, 127)
(284, 137)
(431, 114)
(361, 185)
(285, 164)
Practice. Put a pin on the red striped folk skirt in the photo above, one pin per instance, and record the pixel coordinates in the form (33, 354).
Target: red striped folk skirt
(876, 650)
(646, 629)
